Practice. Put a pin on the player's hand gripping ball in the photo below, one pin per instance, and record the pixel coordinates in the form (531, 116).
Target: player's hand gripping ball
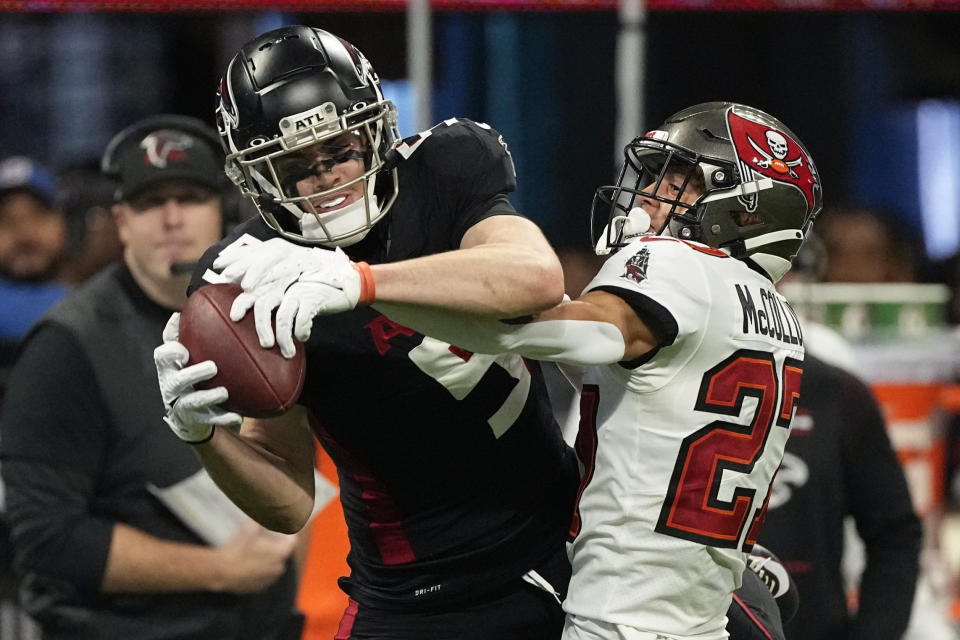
(261, 383)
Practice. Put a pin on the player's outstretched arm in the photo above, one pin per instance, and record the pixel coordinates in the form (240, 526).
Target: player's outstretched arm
(598, 328)
(579, 342)
(504, 268)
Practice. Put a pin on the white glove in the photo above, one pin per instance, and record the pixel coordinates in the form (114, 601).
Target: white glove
(276, 260)
(305, 300)
(191, 414)
(299, 282)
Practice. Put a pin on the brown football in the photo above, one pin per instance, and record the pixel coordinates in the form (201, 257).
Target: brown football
(261, 382)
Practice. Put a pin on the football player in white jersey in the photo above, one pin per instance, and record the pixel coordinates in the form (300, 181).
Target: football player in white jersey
(683, 424)
(687, 359)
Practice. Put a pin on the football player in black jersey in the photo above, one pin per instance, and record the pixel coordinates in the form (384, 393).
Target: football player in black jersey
(456, 484)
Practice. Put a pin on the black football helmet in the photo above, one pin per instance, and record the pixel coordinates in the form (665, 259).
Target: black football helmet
(760, 190)
(289, 89)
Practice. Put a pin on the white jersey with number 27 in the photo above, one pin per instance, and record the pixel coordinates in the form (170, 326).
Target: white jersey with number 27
(681, 446)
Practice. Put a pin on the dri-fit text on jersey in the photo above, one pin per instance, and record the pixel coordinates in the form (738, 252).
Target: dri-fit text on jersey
(769, 315)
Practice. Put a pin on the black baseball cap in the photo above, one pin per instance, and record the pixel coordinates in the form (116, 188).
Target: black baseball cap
(164, 148)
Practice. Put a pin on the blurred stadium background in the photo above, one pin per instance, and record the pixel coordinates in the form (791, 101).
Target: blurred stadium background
(871, 86)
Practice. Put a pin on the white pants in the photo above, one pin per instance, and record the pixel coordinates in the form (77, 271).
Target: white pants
(580, 628)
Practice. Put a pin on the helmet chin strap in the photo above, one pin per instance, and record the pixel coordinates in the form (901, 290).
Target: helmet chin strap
(265, 185)
(311, 228)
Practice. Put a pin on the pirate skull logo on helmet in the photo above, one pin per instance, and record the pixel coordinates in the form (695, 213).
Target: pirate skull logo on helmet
(761, 190)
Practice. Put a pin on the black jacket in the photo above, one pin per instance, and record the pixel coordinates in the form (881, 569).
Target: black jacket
(82, 435)
(839, 463)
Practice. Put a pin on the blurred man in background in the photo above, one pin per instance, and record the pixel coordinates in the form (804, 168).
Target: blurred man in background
(864, 244)
(33, 237)
(85, 455)
(32, 247)
(32, 230)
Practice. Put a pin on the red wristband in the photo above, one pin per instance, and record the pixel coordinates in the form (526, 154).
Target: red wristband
(368, 289)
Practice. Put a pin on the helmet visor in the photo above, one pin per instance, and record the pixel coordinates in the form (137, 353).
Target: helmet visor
(299, 171)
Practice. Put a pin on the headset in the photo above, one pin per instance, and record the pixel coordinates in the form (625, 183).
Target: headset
(230, 201)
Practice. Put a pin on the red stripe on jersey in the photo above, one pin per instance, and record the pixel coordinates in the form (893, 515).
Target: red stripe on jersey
(346, 622)
(383, 516)
(463, 354)
(710, 251)
(762, 627)
(386, 525)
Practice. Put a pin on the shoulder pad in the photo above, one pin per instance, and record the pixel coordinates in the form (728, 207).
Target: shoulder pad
(462, 148)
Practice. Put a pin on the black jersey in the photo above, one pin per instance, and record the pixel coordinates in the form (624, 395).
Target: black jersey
(453, 473)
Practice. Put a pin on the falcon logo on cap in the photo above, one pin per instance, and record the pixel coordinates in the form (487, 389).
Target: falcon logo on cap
(162, 147)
